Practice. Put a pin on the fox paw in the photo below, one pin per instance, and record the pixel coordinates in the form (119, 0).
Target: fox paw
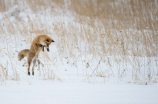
(28, 73)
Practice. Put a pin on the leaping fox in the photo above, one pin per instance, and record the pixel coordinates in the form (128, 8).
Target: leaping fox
(37, 45)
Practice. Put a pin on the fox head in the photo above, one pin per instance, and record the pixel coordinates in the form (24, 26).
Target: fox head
(45, 41)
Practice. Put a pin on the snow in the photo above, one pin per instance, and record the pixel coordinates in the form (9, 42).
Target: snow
(76, 78)
(68, 86)
(47, 92)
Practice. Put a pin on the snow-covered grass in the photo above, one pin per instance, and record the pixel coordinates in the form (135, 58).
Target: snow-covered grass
(96, 58)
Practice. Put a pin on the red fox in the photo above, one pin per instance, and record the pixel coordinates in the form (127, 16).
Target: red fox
(37, 45)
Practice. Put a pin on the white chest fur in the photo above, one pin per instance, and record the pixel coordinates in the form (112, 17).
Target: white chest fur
(40, 48)
(36, 56)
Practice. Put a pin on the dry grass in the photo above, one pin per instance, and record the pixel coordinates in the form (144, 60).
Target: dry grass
(125, 30)
(3, 74)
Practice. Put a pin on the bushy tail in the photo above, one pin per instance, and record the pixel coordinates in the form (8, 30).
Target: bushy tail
(23, 54)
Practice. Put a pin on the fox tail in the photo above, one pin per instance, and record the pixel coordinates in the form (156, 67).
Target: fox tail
(23, 54)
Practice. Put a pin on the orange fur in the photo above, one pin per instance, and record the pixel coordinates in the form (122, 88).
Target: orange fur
(23, 54)
(37, 45)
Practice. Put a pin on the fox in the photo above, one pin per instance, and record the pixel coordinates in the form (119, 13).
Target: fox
(39, 43)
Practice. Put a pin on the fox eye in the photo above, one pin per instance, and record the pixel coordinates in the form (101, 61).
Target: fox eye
(47, 41)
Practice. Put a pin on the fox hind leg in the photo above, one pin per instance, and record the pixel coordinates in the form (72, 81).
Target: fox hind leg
(29, 58)
(34, 63)
(29, 63)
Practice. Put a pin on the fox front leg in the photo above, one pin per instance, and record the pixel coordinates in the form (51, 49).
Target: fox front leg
(43, 48)
(48, 49)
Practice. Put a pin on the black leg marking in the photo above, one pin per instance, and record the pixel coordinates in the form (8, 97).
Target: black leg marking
(48, 49)
(43, 48)
(34, 63)
(29, 73)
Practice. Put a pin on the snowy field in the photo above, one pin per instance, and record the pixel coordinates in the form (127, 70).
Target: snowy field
(55, 92)
(70, 86)
(96, 58)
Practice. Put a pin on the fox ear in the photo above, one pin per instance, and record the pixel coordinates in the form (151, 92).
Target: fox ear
(53, 41)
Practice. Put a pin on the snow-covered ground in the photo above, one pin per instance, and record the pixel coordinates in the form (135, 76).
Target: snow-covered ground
(48, 92)
(69, 85)
(74, 71)
(72, 90)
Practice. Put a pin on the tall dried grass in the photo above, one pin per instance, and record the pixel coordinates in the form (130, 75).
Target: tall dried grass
(123, 31)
